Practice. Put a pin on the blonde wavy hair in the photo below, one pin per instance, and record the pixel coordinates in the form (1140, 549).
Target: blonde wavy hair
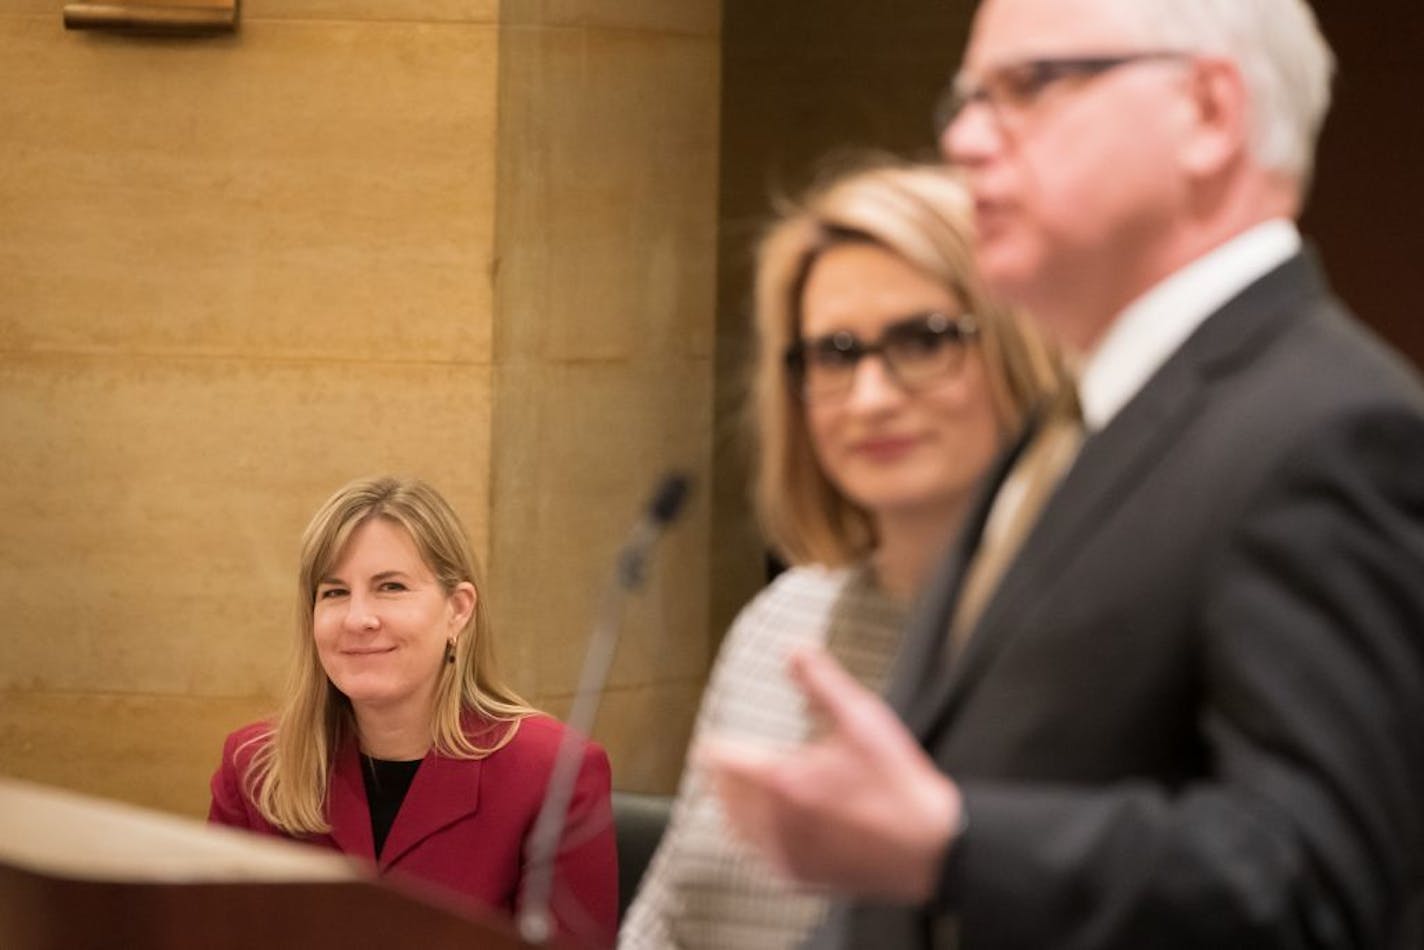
(291, 768)
(920, 213)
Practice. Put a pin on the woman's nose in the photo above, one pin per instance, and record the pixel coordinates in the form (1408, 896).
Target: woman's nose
(873, 386)
(360, 616)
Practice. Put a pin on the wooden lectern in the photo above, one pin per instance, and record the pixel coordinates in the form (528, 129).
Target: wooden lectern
(79, 873)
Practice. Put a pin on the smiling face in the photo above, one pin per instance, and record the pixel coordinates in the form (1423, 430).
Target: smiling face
(381, 621)
(895, 453)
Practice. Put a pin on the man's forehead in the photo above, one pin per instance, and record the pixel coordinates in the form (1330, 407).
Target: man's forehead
(1007, 31)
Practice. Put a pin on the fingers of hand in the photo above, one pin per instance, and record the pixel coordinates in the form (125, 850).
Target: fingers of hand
(854, 712)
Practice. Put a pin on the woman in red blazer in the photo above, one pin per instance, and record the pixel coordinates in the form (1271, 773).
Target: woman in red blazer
(397, 741)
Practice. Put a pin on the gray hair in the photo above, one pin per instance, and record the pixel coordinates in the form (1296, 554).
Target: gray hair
(1285, 62)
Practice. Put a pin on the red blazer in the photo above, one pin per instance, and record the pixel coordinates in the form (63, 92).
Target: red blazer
(463, 823)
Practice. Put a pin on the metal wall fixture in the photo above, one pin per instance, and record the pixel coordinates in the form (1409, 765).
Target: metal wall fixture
(166, 17)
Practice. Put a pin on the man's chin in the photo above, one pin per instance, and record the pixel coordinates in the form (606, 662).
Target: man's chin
(1006, 271)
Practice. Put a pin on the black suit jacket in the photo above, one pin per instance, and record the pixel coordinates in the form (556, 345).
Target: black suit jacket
(1192, 714)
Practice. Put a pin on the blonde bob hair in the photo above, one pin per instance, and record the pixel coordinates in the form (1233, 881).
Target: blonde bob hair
(291, 767)
(920, 213)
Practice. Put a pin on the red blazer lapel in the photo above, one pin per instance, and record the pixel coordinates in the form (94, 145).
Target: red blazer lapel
(346, 805)
(444, 791)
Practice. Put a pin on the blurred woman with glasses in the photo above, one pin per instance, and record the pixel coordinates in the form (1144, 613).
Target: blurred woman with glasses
(885, 384)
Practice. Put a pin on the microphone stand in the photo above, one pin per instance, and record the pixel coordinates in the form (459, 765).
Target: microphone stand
(535, 920)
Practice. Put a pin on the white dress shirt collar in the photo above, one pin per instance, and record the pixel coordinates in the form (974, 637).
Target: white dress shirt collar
(1153, 326)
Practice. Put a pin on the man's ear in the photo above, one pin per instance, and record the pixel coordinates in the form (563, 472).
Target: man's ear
(1220, 114)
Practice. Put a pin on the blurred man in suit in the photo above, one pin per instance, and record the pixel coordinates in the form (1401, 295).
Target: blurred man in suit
(1168, 689)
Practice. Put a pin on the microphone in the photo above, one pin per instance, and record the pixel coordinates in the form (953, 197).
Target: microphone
(536, 924)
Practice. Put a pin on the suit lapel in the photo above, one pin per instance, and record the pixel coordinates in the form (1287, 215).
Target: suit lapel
(444, 791)
(921, 658)
(1110, 463)
(347, 808)
(1107, 467)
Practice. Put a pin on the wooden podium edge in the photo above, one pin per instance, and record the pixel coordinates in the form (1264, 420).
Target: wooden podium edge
(45, 912)
(79, 872)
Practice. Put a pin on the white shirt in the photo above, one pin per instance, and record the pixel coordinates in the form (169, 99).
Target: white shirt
(1153, 326)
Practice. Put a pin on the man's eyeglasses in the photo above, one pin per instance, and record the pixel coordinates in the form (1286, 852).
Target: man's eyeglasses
(1012, 89)
(917, 352)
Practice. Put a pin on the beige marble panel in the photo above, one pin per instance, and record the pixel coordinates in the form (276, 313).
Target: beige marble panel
(605, 286)
(696, 17)
(156, 751)
(577, 449)
(35, 8)
(645, 730)
(252, 11)
(738, 552)
(153, 508)
(608, 179)
(414, 11)
(304, 190)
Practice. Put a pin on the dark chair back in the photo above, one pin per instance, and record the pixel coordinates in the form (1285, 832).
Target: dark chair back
(638, 821)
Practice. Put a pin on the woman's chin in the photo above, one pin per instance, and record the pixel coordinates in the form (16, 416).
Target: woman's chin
(910, 500)
(365, 693)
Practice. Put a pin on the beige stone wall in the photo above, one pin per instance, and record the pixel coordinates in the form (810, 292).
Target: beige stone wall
(358, 236)
(605, 282)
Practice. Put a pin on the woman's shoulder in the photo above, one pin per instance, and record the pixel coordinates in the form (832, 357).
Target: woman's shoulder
(231, 800)
(814, 582)
(538, 733)
(793, 611)
(243, 742)
(535, 744)
(798, 597)
(749, 693)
